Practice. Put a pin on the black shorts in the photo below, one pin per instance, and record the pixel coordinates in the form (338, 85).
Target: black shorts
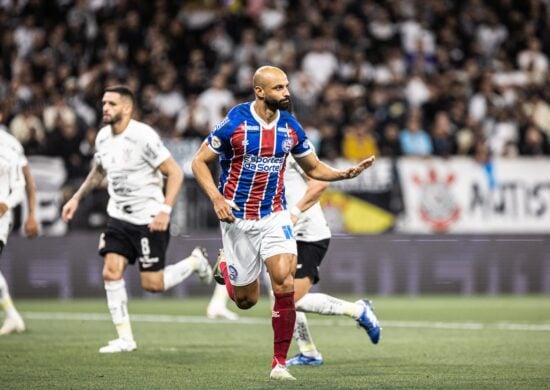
(135, 242)
(1, 246)
(310, 256)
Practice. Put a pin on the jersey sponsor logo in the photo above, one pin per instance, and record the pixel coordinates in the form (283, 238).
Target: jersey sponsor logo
(232, 271)
(216, 143)
(262, 164)
(252, 128)
(282, 129)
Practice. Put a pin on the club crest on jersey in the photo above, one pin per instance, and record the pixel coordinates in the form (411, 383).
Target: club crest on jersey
(232, 271)
(216, 143)
(287, 144)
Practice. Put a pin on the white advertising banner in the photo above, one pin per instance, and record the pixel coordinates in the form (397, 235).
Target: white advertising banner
(460, 195)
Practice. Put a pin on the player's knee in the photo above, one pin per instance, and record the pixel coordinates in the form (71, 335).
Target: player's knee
(245, 303)
(111, 275)
(153, 286)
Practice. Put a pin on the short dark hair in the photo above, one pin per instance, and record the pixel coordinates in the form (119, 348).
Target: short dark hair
(123, 90)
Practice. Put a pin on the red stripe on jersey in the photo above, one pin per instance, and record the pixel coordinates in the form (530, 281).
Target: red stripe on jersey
(259, 186)
(235, 169)
(277, 199)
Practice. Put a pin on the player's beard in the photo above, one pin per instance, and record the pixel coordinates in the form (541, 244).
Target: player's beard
(275, 105)
(114, 119)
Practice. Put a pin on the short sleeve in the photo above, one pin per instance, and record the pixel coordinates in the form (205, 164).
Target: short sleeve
(154, 151)
(302, 145)
(219, 138)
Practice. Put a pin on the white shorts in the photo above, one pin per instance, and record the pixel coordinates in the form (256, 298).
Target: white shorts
(248, 243)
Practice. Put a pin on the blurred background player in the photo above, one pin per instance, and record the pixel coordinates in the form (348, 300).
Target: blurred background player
(217, 306)
(30, 226)
(312, 238)
(133, 158)
(13, 321)
(12, 184)
(251, 145)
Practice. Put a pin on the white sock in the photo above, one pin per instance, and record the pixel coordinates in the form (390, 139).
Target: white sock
(219, 297)
(5, 299)
(303, 337)
(117, 301)
(177, 273)
(325, 304)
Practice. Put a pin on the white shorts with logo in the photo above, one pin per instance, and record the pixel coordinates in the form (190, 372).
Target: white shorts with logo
(248, 243)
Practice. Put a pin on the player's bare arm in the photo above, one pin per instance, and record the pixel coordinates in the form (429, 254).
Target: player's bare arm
(203, 157)
(174, 180)
(315, 189)
(96, 176)
(31, 224)
(317, 169)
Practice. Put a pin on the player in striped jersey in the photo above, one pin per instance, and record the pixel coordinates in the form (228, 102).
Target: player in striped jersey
(252, 144)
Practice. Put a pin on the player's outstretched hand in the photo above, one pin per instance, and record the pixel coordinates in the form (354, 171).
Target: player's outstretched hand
(352, 172)
(69, 209)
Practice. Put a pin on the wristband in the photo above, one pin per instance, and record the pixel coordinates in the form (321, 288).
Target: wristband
(165, 208)
(295, 211)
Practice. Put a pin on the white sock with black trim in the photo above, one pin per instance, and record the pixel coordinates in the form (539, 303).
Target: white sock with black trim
(117, 302)
(326, 305)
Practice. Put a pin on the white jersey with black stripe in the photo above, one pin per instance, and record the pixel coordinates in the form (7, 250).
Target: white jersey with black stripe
(130, 160)
(311, 225)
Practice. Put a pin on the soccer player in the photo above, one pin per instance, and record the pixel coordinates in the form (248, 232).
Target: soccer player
(13, 322)
(312, 237)
(30, 227)
(12, 184)
(252, 144)
(133, 158)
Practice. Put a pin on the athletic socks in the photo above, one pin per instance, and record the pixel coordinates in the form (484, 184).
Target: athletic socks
(282, 319)
(303, 337)
(117, 301)
(178, 272)
(228, 285)
(325, 304)
(219, 297)
(5, 299)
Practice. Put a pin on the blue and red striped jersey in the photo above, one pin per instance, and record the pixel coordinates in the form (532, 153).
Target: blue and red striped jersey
(253, 158)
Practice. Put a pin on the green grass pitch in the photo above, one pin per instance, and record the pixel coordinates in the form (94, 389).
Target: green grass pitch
(443, 342)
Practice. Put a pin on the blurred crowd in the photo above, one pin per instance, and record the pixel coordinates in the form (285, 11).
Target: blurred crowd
(391, 78)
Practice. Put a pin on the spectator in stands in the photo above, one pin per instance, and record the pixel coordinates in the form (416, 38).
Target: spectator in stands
(443, 136)
(414, 140)
(360, 140)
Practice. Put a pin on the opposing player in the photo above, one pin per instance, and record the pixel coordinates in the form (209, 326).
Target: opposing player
(134, 160)
(252, 144)
(12, 184)
(217, 306)
(312, 238)
(13, 322)
(30, 226)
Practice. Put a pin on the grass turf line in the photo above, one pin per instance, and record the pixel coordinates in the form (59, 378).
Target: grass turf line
(214, 355)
